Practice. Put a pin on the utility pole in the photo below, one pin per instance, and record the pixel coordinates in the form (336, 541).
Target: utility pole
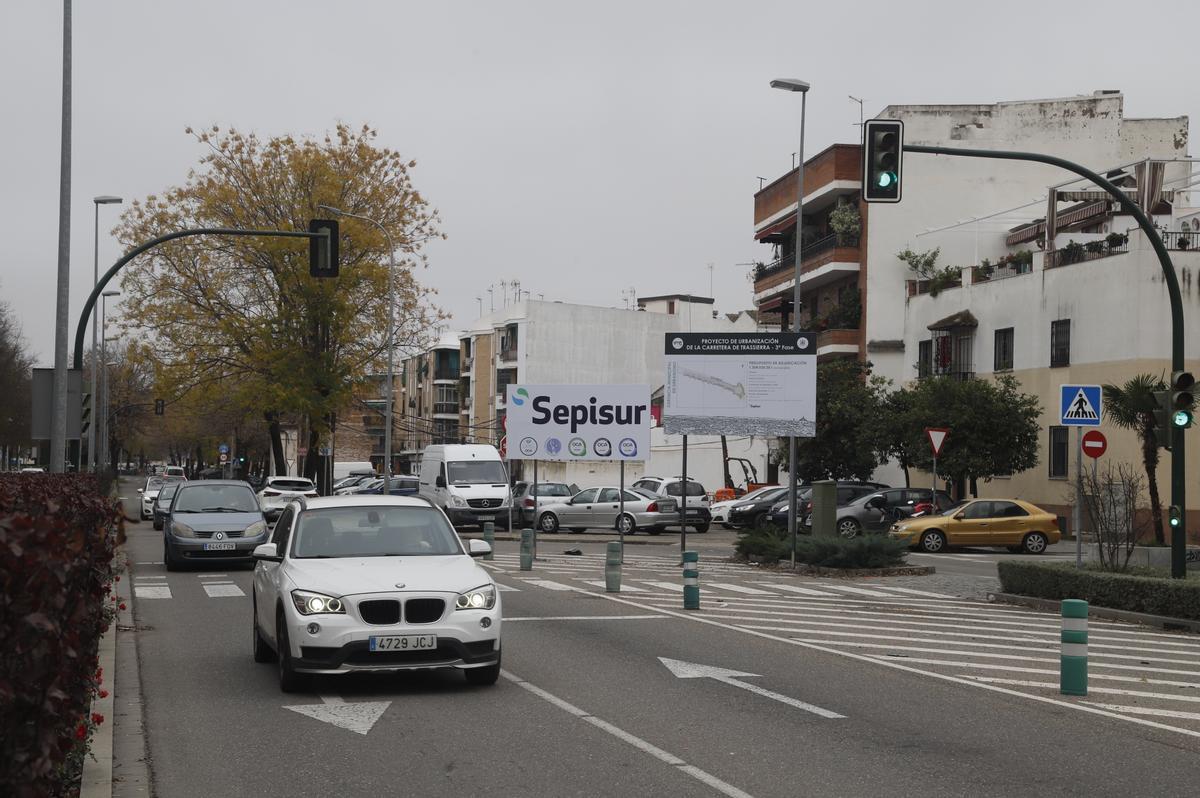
(58, 424)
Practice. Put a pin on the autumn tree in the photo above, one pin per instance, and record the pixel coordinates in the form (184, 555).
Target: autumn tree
(16, 374)
(241, 314)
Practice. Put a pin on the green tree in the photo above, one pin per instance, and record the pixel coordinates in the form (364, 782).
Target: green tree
(16, 375)
(243, 313)
(848, 398)
(994, 428)
(1132, 406)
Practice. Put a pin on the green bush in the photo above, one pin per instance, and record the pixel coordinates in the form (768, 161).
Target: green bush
(764, 543)
(870, 551)
(1177, 598)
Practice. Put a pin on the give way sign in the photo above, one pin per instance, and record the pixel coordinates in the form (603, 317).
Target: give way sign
(937, 437)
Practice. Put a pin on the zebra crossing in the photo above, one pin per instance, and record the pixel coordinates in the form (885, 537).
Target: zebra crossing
(1136, 673)
(156, 586)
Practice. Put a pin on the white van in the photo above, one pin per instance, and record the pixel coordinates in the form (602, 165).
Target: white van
(343, 469)
(468, 481)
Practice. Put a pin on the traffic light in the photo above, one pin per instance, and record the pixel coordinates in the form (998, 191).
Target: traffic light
(1182, 399)
(323, 251)
(85, 415)
(1175, 516)
(883, 155)
(160, 407)
(1162, 418)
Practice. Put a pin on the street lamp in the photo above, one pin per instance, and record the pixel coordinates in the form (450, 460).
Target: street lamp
(103, 199)
(103, 417)
(387, 432)
(790, 84)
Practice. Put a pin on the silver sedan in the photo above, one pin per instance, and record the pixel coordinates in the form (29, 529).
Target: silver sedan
(601, 507)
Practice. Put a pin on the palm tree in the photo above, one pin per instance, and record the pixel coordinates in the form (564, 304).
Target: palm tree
(1132, 406)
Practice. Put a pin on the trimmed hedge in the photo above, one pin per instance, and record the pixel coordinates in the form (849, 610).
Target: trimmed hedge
(1176, 598)
(865, 551)
(57, 536)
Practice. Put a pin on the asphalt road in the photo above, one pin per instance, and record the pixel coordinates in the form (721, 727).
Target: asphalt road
(586, 707)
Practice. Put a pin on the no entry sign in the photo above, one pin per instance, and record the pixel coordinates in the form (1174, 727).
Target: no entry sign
(1094, 443)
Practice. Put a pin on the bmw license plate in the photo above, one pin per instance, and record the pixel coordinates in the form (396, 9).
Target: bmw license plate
(224, 546)
(402, 642)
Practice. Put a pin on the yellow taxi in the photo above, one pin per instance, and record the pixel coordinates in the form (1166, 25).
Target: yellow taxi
(1015, 524)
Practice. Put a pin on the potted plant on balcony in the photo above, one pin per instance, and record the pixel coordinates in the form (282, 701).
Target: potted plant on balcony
(1116, 240)
(1072, 252)
(984, 270)
(846, 224)
(1094, 247)
(1023, 261)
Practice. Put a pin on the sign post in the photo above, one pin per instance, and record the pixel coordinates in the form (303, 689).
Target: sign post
(937, 437)
(1079, 406)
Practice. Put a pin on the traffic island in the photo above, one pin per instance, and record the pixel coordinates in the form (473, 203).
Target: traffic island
(805, 569)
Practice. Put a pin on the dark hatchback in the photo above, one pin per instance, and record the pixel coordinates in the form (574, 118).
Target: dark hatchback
(213, 521)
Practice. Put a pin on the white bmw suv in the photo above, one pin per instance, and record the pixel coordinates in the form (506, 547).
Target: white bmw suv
(380, 583)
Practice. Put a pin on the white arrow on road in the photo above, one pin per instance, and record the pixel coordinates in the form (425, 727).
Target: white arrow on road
(692, 670)
(358, 717)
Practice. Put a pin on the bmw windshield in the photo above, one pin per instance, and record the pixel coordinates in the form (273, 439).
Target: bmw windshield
(333, 532)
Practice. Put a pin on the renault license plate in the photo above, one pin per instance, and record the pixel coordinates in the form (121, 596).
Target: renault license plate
(402, 642)
(224, 546)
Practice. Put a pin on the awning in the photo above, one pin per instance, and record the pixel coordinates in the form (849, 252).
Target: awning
(776, 230)
(956, 321)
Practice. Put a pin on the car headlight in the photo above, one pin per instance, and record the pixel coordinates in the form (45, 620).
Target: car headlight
(457, 501)
(480, 598)
(182, 530)
(317, 604)
(255, 529)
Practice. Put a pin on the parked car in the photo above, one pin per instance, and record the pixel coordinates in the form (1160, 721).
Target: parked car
(846, 493)
(352, 583)
(601, 508)
(467, 481)
(33, 470)
(278, 491)
(698, 514)
(400, 486)
(877, 511)
(720, 510)
(1012, 523)
(216, 520)
(149, 492)
(176, 471)
(162, 504)
(344, 484)
(547, 493)
(756, 510)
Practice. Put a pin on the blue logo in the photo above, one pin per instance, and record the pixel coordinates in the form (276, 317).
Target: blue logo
(627, 447)
(528, 446)
(553, 446)
(520, 396)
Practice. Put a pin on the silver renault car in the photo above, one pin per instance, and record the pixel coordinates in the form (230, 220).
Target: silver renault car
(213, 520)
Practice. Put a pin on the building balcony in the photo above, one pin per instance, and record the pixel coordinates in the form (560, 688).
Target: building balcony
(832, 343)
(446, 375)
(1075, 252)
(508, 355)
(1182, 241)
(834, 171)
(825, 261)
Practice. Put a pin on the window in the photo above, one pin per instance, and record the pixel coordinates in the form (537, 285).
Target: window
(1058, 452)
(369, 531)
(1060, 343)
(283, 528)
(1004, 350)
(925, 358)
(610, 495)
(216, 499)
(1008, 510)
(585, 497)
(977, 510)
(671, 307)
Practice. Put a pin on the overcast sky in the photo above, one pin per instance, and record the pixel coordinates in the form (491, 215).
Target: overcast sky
(583, 149)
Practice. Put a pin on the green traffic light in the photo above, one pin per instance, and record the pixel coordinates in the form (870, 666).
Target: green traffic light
(886, 179)
(1182, 418)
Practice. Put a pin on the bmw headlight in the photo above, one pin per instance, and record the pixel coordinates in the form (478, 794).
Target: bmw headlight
(316, 603)
(457, 501)
(255, 529)
(479, 598)
(182, 530)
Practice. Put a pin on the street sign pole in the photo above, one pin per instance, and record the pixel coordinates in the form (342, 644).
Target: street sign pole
(1077, 519)
(935, 480)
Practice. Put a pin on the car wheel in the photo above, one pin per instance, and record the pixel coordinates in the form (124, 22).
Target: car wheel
(289, 680)
(933, 541)
(849, 528)
(168, 558)
(483, 676)
(1034, 543)
(262, 651)
(702, 528)
(548, 523)
(761, 521)
(626, 524)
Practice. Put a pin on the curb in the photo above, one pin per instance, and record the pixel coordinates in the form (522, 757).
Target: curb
(1053, 605)
(96, 781)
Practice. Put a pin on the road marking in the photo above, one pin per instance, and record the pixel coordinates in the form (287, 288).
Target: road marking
(602, 583)
(508, 619)
(861, 591)
(546, 583)
(358, 717)
(750, 591)
(692, 670)
(211, 576)
(637, 742)
(507, 588)
(673, 587)
(911, 592)
(152, 591)
(149, 562)
(222, 591)
(1091, 689)
(146, 578)
(1158, 713)
(1046, 671)
(804, 591)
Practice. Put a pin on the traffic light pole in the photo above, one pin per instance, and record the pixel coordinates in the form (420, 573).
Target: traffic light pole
(1178, 487)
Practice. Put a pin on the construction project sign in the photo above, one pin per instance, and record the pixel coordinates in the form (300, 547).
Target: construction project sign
(741, 384)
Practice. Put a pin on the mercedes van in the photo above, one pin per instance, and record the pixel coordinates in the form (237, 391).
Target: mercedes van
(468, 481)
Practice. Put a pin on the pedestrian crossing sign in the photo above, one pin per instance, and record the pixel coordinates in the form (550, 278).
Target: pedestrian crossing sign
(1080, 405)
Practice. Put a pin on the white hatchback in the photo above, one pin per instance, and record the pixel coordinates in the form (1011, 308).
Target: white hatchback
(373, 583)
(278, 491)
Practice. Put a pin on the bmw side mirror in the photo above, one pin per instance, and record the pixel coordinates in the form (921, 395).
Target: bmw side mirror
(478, 548)
(267, 553)
(440, 481)
(140, 490)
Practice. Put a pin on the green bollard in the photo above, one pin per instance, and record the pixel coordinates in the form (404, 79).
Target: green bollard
(691, 580)
(612, 568)
(526, 549)
(1072, 674)
(489, 537)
